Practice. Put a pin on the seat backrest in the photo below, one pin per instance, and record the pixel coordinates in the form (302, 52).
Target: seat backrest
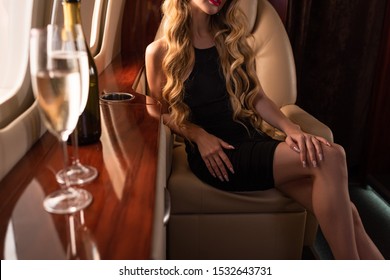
(274, 58)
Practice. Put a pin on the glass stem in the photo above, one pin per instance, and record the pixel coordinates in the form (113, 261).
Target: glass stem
(66, 163)
(75, 144)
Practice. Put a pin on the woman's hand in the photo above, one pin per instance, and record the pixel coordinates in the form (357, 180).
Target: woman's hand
(307, 145)
(211, 150)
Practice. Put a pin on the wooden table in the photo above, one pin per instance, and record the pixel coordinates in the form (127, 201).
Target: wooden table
(119, 222)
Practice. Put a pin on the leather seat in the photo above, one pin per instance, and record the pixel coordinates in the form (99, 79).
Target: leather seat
(207, 223)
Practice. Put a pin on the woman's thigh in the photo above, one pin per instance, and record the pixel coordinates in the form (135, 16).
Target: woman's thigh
(291, 178)
(287, 166)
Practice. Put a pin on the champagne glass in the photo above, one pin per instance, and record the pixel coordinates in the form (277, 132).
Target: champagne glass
(77, 172)
(55, 64)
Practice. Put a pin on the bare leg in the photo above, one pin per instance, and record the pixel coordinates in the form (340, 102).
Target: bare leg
(302, 190)
(366, 248)
(329, 200)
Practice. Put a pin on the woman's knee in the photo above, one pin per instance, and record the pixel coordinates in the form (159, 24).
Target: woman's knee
(334, 165)
(335, 160)
(335, 153)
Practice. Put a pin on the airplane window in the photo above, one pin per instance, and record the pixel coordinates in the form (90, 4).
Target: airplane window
(20, 125)
(92, 20)
(15, 96)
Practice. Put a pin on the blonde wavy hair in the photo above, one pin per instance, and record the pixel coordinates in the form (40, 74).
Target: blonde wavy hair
(237, 59)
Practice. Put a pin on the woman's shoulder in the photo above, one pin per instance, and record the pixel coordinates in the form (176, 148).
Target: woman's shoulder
(156, 49)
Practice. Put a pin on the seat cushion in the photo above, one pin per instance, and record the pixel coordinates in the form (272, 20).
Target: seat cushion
(190, 195)
(235, 236)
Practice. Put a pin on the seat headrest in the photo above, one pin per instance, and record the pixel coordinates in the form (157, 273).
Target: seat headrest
(249, 7)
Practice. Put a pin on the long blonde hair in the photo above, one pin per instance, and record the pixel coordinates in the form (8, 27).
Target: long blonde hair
(237, 59)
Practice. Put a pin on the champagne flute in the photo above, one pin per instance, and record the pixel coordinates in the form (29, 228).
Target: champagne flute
(77, 172)
(56, 80)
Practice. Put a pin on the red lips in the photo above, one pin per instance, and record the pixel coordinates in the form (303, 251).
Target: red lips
(215, 2)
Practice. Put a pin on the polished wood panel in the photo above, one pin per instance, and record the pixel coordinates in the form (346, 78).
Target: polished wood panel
(121, 74)
(141, 18)
(118, 224)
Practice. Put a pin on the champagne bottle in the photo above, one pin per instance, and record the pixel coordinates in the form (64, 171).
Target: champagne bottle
(88, 126)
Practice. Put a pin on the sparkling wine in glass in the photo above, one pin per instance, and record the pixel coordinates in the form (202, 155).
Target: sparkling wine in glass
(57, 84)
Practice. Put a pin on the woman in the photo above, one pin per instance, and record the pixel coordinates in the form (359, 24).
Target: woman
(203, 72)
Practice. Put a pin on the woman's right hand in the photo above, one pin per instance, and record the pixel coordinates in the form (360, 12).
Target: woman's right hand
(211, 150)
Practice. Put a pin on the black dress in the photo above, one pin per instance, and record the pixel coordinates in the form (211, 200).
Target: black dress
(207, 97)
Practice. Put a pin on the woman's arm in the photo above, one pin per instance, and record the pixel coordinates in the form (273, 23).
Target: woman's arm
(308, 146)
(269, 112)
(210, 146)
(153, 63)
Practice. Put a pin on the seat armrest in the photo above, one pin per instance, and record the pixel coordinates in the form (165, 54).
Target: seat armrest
(169, 138)
(307, 122)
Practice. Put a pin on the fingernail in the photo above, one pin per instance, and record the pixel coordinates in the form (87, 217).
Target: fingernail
(231, 147)
(304, 164)
(321, 157)
(220, 178)
(314, 163)
(226, 178)
(296, 149)
(327, 143)
(231, 170)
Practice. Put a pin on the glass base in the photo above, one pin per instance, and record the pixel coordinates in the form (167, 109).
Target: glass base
(67, 201)
(78, 174)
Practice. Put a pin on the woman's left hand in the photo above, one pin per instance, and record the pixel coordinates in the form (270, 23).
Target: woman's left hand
(308, 146)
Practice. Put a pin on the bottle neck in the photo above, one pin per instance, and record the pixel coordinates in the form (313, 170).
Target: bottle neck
(71, 13)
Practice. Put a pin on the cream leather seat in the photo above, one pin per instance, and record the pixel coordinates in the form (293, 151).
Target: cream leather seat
(207, 223)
